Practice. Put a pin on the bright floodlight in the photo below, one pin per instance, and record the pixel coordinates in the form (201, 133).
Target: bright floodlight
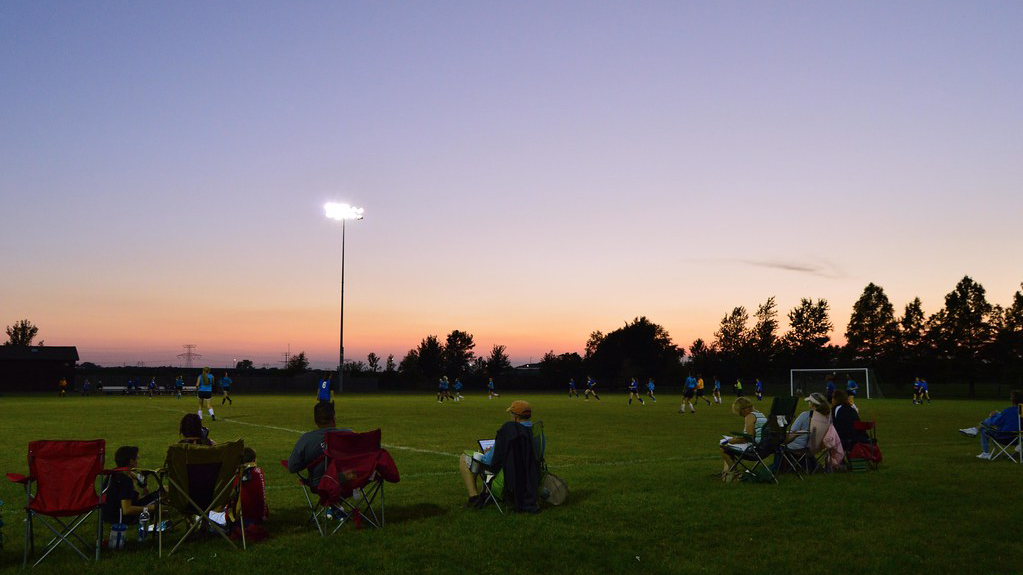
(343, 211)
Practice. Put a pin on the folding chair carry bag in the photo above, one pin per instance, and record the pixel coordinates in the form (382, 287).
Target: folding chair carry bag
(65, 474)
(198, 479)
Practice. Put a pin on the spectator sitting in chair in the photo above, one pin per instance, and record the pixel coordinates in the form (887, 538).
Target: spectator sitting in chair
(193, 432)
(1004, 421)
(512, 454)
(753, 424)
(252, 496)
(843, 417)
(312, 443)
(123, 504)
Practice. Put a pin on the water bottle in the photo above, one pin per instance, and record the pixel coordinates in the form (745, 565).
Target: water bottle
(117, 534)
(143, 524)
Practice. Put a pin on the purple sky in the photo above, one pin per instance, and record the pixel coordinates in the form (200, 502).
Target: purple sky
(531, 171)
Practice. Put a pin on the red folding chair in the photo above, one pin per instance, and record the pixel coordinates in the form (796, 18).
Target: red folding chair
(351, 453)
(65, 474)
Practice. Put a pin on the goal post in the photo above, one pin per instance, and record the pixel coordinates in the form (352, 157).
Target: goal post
(808, 381)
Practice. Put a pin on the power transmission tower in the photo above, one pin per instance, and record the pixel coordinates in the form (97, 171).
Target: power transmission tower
(189, 354)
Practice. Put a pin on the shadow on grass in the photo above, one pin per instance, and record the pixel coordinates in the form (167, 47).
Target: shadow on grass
(411, 513)
(577, 496)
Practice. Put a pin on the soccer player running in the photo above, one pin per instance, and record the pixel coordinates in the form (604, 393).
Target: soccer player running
(152, 387)
(204, 391)
(62, 384)
(688, 393)
(571, 387)
(738, 387)
(458, 389)
(442, 389)
(591, 385)
(699, 388)
(225, 388)
(924, 392)
(650, 389)
(916, 391)
(492, 389)
(759, 389)
(717, 390)
(179, 385)
(325, 391)
(634, 392)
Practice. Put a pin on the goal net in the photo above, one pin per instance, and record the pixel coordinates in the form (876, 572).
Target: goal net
(806, 381)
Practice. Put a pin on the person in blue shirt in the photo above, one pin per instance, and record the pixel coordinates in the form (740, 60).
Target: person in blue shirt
(829, 381)
(717, 390)
(458, 389)
(851, 387)
(179, 385)
(634, 392)
(325, 391)
(492, 389)
(591, 385)
(225, 388)
(152, 387)
(442, 389)
(650, 389)
(204, 391)
(916, 391)
(924, 392)
(1002, 426)
(473, 464)
(571, 387)
(759, 389)
(688, 393)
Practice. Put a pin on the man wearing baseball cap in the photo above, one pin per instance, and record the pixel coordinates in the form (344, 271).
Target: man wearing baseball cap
(512, 460)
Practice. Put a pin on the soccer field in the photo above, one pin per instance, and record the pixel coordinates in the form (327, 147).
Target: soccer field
(645, 494)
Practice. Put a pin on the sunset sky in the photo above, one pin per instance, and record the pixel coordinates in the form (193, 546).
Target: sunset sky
(530, 171)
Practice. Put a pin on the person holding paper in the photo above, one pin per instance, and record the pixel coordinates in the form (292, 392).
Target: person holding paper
(732, 447)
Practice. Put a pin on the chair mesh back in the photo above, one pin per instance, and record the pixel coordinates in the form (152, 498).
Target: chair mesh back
(65, 473)
(201, 473)
(784, 405)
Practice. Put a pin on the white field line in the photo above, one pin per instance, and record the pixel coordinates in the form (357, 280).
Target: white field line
(387, 445)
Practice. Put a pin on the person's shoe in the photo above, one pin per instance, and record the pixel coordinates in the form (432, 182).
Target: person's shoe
(473, 502)
(984, 455)
(213, 417)
(969, 431)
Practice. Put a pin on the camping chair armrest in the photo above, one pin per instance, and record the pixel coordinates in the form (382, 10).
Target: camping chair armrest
(19, 478)
(743, 435)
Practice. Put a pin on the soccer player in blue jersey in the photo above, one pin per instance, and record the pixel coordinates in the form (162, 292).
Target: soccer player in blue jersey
(492, 389)
(688, 394)
(829, 381)
(179, 385)
(152, 387)
(924, 392)
(717, 390)
(650, 389)
(571, 387)
(634, 391)
(851, 387)
(458, 389)
(325, 391)
(442, 389)
(204, 391)
(225, 388)
(591, 385)
(759, 389)
(916, 390)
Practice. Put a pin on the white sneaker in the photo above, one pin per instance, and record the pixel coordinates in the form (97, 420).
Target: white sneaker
(971, 431)
(984, 455)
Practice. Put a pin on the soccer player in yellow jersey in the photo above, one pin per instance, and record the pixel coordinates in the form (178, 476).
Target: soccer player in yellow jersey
(699, 389)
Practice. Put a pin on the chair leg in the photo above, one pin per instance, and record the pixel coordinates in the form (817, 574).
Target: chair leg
(99, 533)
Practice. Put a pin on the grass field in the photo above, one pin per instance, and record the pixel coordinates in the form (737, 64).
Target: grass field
(645, 494)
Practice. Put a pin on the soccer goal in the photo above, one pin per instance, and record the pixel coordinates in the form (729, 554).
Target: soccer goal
(806, 381)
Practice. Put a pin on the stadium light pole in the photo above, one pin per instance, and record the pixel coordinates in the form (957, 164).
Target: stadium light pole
(342, 212)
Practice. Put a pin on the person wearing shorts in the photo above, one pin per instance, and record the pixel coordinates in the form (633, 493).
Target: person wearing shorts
(699, 389)
(650, 389)
(716, 393)
(688, 393)
(591, 385)
(225, 388)
(634, 392)
(572, 391)
(204, 391)
(179, 386)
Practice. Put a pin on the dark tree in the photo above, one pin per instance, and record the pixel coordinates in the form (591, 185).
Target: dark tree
(763, 338)
(555, 370)
(498, 361)
(809, 326)
(354, 367)
(374, 362)
(701, 357)
(244, 364)
(963, 327)
(22, 333)
(430, 356)
(592, 343)
(1007, 347)
(389, 366)
(298, 363)
(731, 337)
(872, 330)
(641, 349)
(912, 329)
(457, 353)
